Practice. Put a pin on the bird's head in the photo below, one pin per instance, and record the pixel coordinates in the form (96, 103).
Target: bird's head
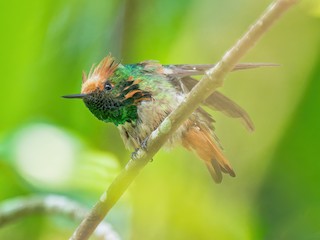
(111, 93)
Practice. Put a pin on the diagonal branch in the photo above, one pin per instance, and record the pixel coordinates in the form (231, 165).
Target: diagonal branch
(208, 84)
(16, 208)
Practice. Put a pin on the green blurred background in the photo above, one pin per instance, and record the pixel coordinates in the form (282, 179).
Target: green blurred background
(52, 145)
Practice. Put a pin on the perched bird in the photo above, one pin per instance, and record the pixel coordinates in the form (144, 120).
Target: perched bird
(137, 98)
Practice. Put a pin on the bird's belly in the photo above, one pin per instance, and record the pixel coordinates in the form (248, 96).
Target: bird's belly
(150, 115)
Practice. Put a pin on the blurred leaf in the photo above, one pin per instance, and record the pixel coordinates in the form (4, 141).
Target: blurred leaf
(153, 28)
(312, 7)
(289, 198)
(51, 158)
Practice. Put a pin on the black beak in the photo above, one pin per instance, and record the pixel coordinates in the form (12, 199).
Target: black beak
(75, 96)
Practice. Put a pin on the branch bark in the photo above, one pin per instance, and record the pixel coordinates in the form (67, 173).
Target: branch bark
(207, 85)
(16, 208)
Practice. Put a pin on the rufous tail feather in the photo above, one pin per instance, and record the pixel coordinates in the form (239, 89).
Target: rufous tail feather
(203, 144)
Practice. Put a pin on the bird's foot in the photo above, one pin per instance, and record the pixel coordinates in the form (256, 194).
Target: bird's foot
(134, 154)
(143, 146)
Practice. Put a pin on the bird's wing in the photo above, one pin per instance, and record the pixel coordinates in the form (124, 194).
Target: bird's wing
(220, 102)
(217, 100)
(183, 70)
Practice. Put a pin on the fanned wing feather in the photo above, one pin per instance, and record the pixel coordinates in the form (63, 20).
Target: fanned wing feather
(217, 100)
(224, 104)
(220, 102)
(183, 70)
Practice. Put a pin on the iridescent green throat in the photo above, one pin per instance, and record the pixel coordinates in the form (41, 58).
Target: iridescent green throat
(110, 109)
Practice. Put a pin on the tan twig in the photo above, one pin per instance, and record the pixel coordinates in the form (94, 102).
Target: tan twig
(16, 208)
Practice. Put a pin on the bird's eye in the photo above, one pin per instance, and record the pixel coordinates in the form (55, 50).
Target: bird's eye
(108, 86)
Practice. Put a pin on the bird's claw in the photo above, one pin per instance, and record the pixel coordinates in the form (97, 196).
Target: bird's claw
(143, 146)
(134, 154)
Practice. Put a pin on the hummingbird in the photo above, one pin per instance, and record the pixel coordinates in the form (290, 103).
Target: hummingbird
(138, 97)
